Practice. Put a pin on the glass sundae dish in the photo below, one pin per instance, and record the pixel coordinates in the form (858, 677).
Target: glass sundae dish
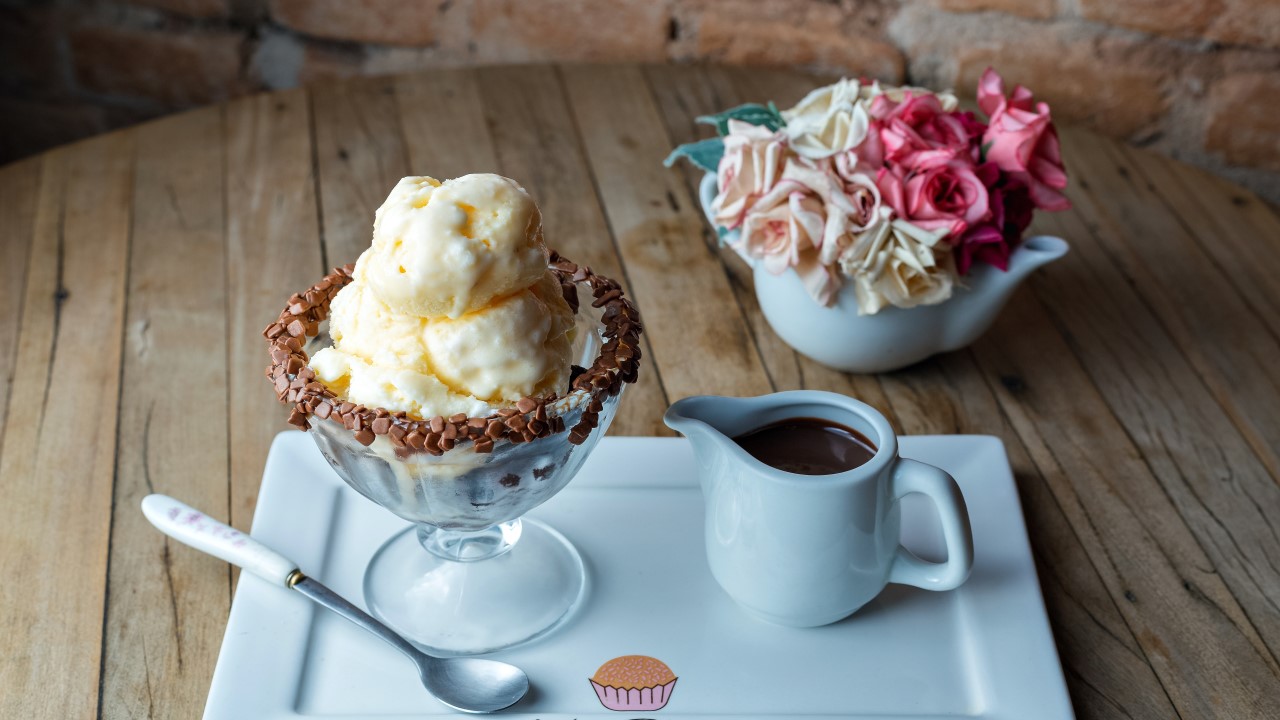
(470, 374)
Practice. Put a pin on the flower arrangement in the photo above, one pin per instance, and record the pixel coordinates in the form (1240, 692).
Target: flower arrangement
(893, 189)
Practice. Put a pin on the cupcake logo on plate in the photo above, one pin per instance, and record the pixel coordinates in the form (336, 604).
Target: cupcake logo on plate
(634, 683)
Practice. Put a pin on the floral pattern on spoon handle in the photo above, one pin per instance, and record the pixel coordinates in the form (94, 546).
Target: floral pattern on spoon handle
(192, 527)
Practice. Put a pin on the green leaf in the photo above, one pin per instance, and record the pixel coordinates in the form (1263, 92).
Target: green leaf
(982, 153)
(751, 113)
(705, 154)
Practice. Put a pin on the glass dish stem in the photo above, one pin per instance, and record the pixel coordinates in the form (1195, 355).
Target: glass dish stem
(469, 546)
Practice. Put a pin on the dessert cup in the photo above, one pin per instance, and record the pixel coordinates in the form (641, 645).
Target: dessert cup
(469, 576)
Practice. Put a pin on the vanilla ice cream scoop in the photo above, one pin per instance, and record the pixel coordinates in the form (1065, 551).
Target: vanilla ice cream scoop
(485, 354)
(453, 309)
(363, 326)
(451, 248)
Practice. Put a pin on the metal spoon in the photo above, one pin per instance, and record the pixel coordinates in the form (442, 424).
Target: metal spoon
(467, 684)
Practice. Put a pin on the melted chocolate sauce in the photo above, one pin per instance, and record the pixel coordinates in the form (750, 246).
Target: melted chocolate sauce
(807, 446)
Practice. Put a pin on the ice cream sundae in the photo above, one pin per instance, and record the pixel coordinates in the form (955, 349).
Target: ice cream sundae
(467, 373)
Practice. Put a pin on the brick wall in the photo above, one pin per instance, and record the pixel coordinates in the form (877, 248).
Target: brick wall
(1197, 79)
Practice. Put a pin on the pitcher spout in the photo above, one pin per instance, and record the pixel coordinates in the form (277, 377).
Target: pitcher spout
(708, 422)
(977, 308)
(1034, 252)
(698, 418)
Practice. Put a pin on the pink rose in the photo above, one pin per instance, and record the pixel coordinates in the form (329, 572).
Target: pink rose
(975, 129)
(1022, 141)
(917, 132)
(985, 241)
(782, 223)
(751, 167)
(993, 240)
(866, 158)
(948, 197)
(982, 243)
(1018, 208)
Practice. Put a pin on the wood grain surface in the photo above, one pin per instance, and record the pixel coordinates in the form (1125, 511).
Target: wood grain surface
(1135, 383)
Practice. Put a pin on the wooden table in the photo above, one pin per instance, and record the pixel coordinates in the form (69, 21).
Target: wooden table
(1136, 383)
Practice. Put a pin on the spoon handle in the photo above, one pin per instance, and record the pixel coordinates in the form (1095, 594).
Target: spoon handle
(324, 596)
(192, 527)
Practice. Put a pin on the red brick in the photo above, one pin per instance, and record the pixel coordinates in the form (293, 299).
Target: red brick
(28, 127)
(1243, 123)
(1105, 86)
(588, 30)
(1038, 9)
(1173, 18)
(283, 60)
(190, 8)
(29, 59)
(1235, 22)
(697, 18)
(1113, 82)
(1247, 22)
(398, 61)
(320, 63)
(789, 33)
(750, 44)
(387, 22)
(175, 69)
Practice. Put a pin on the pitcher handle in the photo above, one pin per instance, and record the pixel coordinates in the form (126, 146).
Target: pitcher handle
(910, 476)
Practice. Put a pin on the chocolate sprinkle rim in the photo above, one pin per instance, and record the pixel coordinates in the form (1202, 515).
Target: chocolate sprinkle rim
(524, 421)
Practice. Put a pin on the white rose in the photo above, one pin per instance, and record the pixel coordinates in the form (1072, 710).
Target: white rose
(897, 263)
(827, 121)
(750, 168)
(897, 93)
(784, 223)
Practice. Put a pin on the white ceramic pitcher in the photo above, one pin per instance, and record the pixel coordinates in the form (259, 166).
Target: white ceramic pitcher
(806, 550)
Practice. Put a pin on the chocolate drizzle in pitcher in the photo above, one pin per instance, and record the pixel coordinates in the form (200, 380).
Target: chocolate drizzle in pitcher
(808, 446)
(528, 419)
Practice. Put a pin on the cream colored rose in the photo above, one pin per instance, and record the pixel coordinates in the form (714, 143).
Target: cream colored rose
(852, 203)
(897, 93)
(828, 120)
(821, 280)
(896, 263)
(752, 165)
(783, 222)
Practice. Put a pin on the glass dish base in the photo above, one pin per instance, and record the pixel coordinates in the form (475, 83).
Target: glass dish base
(466, 607)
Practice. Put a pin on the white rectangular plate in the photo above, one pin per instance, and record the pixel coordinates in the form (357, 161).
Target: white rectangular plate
(635, 513)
